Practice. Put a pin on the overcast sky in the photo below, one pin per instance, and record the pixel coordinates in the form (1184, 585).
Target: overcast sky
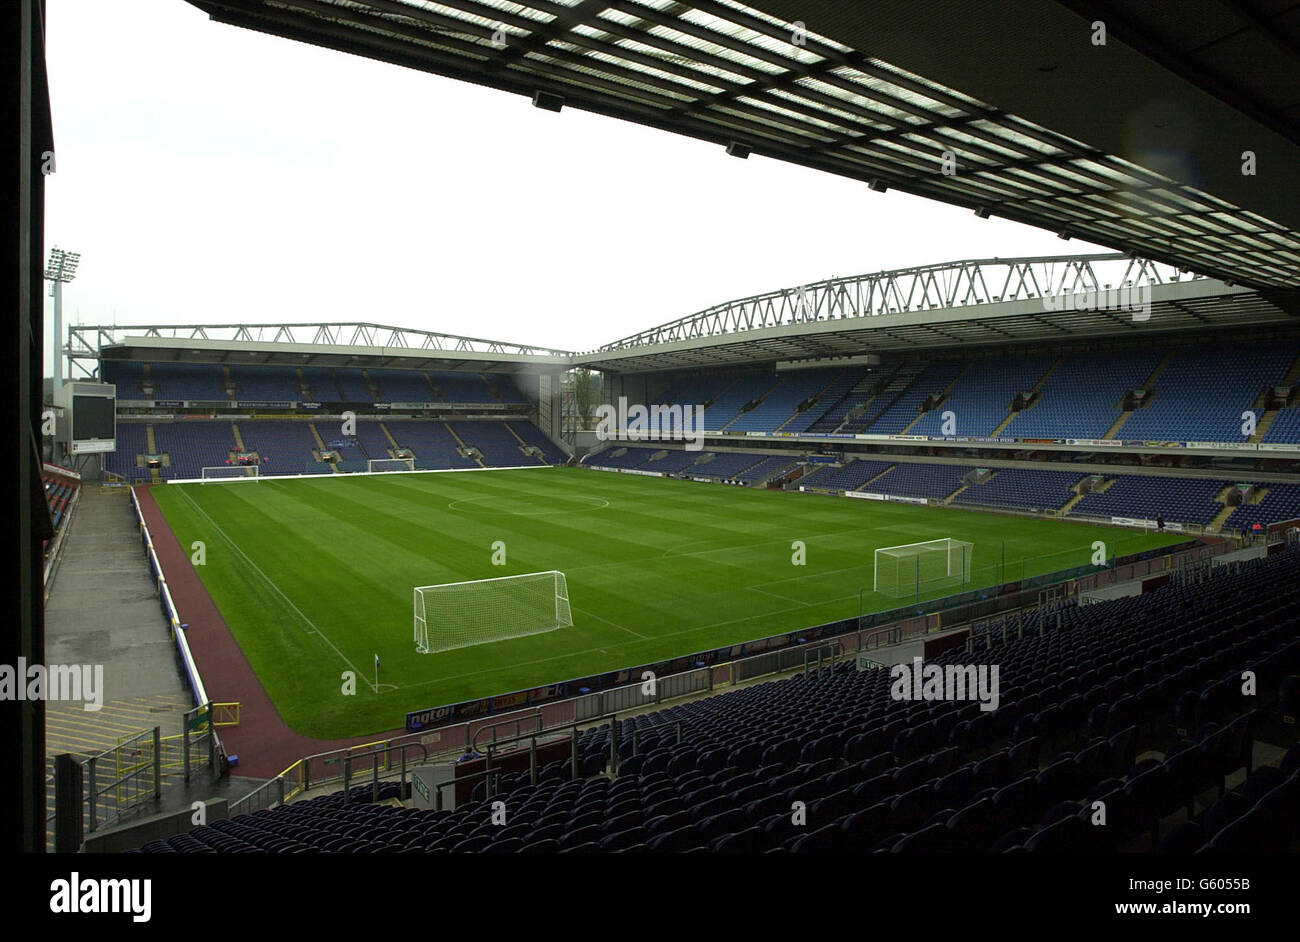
(210, 174)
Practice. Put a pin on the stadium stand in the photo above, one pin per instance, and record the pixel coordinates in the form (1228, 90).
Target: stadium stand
(374, 443)
(848, 478)
(193, 446)
(499, 446)
(402, 385)
(202, 381)
(1281, 502)
(743, 389)
(1202, 393)
(1187, 500)
(778, 408)
(464, 387)
(622, 457)
(60, 491)
(905, 409)
(724, 466)
(766, 469)
(432, 443)
(132, 441)
(534, 436)
(912, 479)
(128, 376)
(1082, 397)
(266, 382)
(1022, 488)
(1285, 427)
(981, 400)
(876, 404)
(672, 462)
(1079, 395)
(283, 447)
(321, 384)
(353, 386)
(850, 389)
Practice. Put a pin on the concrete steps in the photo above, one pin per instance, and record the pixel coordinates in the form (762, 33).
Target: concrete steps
(1037, 387)
(947, 391)
(757, 401)
(1220, 518)
(458, 441)
(1146, 384)
(816, 399)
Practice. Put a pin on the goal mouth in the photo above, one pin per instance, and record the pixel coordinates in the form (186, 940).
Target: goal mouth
(480, 611)
(379, 465)
(913, 569)
(230, 472)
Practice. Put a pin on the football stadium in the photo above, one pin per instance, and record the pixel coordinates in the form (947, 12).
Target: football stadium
(983, 555)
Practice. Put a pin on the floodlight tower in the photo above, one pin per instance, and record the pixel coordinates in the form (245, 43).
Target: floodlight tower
(61, 268)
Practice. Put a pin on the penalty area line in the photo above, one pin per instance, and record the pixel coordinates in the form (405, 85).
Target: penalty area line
(612, 624)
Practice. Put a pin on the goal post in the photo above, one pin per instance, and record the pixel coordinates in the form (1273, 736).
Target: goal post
(229, 472)
(913, 568)
(390, 464)
(460, 614)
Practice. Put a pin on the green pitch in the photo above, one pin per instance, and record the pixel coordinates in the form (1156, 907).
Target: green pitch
(315, 576)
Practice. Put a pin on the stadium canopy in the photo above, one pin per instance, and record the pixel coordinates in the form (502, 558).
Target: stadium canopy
(350, 344)
(976, 303)
(1177, 139)
(980, 302)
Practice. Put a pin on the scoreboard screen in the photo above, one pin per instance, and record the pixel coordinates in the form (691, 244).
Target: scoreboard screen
(89, 422)
(92, 418)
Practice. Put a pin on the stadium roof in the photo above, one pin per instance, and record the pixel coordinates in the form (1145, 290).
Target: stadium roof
(988, 302)
(1137, 144)
(354, 344)
(983, 302)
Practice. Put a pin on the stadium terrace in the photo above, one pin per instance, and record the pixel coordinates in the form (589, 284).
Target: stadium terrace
(657, 422)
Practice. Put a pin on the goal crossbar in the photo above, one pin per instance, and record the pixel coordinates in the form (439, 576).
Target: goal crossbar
(907, 566)
(390, 464)
(478, 611)
(230, 472)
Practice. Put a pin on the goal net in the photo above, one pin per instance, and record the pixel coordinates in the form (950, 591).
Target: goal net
(390, 464)
(459, 614)
(227, 472)
(916, 568)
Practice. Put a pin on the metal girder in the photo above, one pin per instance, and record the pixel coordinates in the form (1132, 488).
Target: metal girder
(86, 341)
(931, 287)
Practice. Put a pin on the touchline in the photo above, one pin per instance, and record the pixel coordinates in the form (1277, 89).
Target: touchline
(53, 682)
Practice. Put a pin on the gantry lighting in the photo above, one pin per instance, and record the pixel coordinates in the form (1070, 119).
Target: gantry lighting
(62, 266)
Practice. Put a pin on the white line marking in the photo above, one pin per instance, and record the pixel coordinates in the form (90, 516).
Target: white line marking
(272, 584)
(612, 624)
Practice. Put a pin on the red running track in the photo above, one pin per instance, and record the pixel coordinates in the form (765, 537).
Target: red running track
(265, 744)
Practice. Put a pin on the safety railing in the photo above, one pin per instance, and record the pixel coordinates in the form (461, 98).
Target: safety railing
(123, 778)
